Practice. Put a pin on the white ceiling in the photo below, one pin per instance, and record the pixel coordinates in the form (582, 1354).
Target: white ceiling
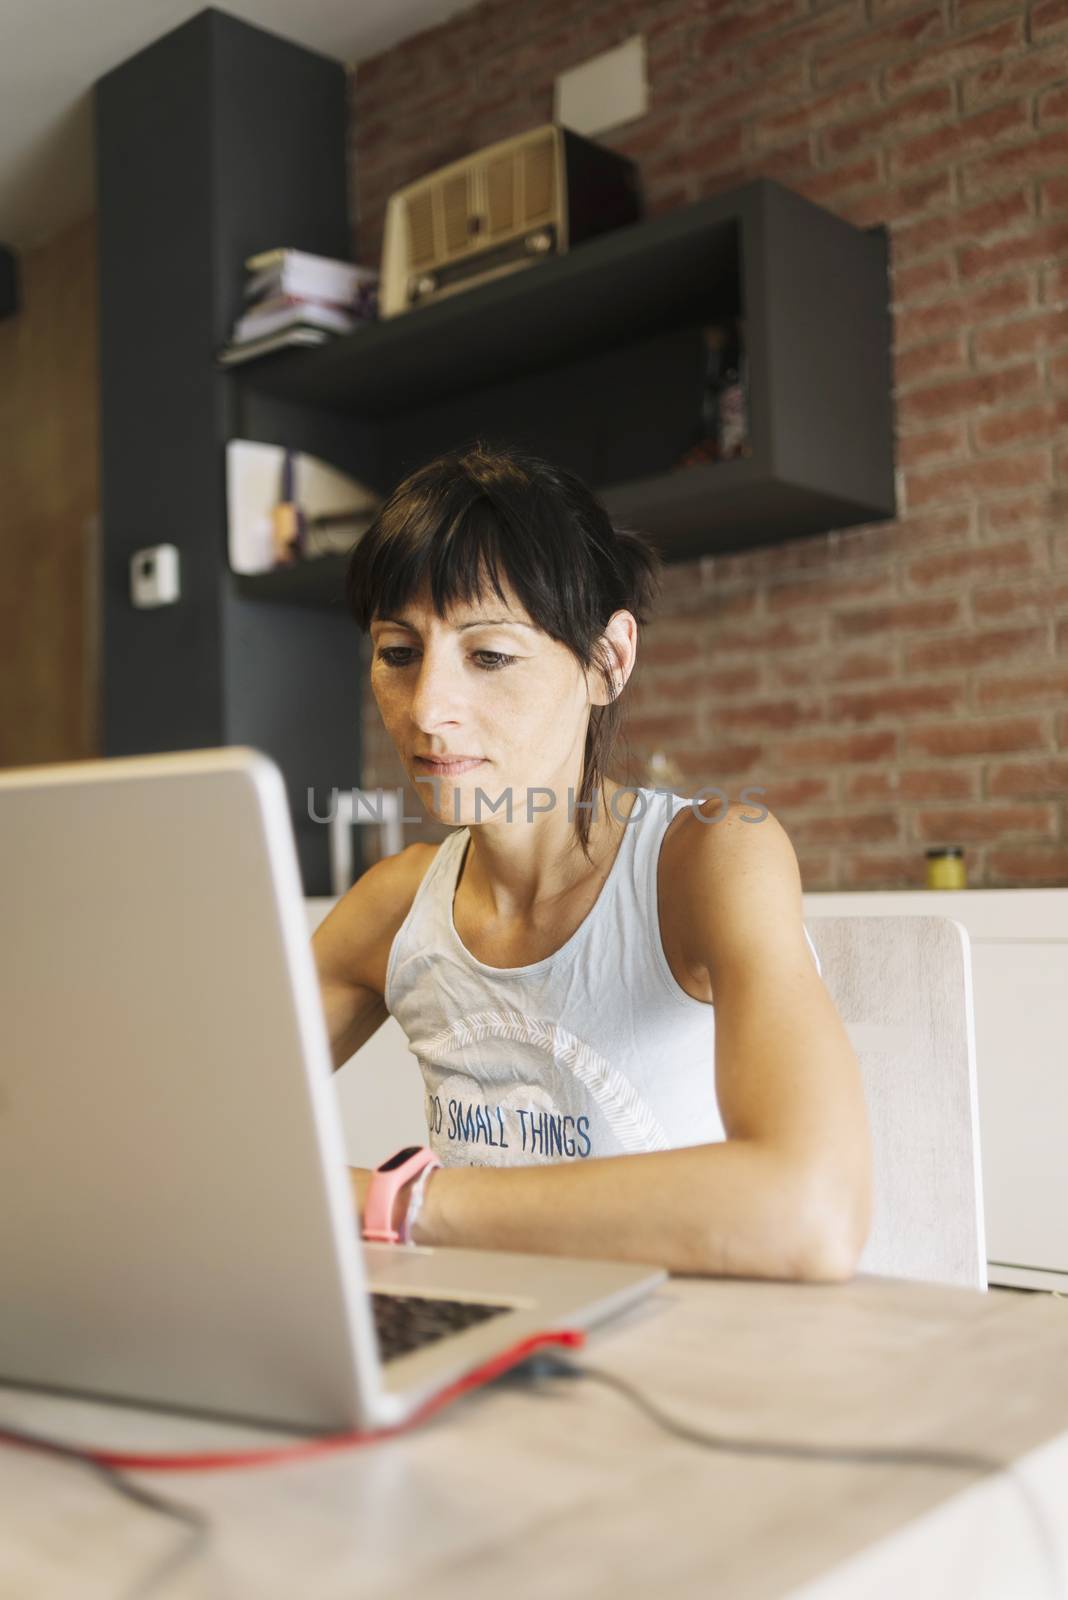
(52, 51)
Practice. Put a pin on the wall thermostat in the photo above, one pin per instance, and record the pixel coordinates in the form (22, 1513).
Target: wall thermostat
(154, 576)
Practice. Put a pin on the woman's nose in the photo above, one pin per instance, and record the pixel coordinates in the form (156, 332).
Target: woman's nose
(437, 692)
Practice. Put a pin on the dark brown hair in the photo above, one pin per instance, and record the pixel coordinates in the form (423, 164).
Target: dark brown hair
(471, 514)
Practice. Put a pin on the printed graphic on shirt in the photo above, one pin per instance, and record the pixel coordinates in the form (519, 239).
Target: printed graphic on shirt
(469, 1128)
(538, 1109)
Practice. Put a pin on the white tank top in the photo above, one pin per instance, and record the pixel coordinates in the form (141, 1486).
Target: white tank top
(596, 1050)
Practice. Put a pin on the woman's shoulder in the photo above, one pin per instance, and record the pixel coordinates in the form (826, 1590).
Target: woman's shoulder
(705, 838)
(725, 867)
(412, 865)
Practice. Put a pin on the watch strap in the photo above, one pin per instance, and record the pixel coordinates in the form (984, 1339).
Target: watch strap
(386, 1183)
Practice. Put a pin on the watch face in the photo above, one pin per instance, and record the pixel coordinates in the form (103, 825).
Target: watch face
(400, 1158)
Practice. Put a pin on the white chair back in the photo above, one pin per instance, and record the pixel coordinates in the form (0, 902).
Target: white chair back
(903, 988)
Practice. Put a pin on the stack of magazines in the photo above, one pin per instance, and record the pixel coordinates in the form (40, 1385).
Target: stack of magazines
(292, 297)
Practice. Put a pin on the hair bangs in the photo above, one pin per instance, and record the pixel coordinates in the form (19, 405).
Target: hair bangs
(457, 533)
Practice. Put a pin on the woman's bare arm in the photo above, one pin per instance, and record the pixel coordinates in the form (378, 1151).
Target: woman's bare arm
(350, 943)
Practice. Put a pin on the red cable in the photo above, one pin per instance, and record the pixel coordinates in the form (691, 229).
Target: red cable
(217, 1460)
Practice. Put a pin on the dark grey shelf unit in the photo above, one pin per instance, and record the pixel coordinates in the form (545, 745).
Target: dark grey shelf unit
(217, 140)
(596, 358)
(600, 295)
(319, 582)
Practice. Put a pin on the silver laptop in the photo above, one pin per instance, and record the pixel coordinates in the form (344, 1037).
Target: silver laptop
(176, 1221)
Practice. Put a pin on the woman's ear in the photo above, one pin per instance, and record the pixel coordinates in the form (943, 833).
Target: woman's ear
(621, 642)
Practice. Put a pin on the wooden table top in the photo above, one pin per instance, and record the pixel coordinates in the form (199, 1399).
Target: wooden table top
(565, 1488)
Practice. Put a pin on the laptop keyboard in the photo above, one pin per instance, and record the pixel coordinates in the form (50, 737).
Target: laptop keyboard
(407, 1322)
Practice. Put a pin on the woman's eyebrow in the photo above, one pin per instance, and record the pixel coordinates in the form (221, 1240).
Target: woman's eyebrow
(480, 622)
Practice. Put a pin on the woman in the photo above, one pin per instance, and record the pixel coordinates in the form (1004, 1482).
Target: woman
(627, 1047)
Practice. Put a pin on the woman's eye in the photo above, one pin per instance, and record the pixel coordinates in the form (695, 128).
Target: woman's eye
(489, 660)
(496, 659)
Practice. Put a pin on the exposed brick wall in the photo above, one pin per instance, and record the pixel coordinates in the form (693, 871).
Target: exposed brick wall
(901, 684)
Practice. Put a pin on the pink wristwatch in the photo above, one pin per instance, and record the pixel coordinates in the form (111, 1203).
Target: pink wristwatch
(386, 1182)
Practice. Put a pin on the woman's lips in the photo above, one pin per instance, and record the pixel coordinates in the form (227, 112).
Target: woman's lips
(448, 769)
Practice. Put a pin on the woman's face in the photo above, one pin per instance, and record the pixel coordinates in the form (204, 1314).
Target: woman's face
(485, 683)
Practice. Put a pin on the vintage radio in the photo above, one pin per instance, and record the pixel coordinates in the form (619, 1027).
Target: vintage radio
(502, 209)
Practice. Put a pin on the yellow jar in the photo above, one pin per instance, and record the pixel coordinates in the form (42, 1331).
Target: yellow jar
(945, 868)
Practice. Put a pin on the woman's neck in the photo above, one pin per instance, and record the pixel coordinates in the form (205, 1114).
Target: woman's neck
(524, 872)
